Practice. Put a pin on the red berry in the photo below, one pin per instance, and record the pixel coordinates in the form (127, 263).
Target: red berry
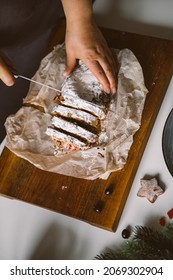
(162, 221)
(170, 213)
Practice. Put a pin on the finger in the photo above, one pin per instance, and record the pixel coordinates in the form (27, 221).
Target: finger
(109, 71)
(114, 62)
(5, 74)
(109, 63)
(70, 65)
(98, 72)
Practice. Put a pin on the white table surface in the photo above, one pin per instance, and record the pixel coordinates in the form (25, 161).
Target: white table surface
(28, 231)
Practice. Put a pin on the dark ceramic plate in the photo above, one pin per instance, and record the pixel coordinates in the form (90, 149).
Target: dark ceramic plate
(167, 142)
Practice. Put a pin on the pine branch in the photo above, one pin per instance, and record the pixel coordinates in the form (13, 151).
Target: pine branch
(140, 250)
(110, 256)
(168, 231)
(144, 244)
(155, 239)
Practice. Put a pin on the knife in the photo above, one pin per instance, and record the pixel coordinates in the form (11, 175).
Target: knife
(50, 87)
(36, 82)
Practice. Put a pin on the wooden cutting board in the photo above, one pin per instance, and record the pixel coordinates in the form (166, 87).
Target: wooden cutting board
(98, 202)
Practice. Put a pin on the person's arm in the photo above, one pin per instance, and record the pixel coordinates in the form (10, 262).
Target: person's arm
(5, 74)
(84, 41)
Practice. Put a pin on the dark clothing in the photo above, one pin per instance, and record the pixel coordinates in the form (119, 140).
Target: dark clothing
(25, 28)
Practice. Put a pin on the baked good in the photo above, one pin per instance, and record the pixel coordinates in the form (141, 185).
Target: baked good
(150, 189)
(78, 112)
(79, 116)
(73, 129)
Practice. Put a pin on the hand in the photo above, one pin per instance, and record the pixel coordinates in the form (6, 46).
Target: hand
(5, 74)
(84, 41)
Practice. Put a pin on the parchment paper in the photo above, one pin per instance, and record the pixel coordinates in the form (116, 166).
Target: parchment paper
(26, 135)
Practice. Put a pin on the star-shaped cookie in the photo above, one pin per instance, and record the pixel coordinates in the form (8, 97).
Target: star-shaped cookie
(150, 189)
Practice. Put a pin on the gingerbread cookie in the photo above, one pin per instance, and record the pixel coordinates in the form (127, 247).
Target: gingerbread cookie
(150, 189)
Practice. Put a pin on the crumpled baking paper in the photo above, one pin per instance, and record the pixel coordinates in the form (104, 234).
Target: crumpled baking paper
(26, 135)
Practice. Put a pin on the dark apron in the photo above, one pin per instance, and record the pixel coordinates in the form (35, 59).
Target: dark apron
(25, 28)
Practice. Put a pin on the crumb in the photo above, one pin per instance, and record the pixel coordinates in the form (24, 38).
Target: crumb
(64, 187)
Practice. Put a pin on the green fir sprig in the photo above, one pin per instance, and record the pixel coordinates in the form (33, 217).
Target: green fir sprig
(145, 243)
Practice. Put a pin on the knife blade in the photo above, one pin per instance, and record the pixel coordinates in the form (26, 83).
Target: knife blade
(55, 89)
(36, 82)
